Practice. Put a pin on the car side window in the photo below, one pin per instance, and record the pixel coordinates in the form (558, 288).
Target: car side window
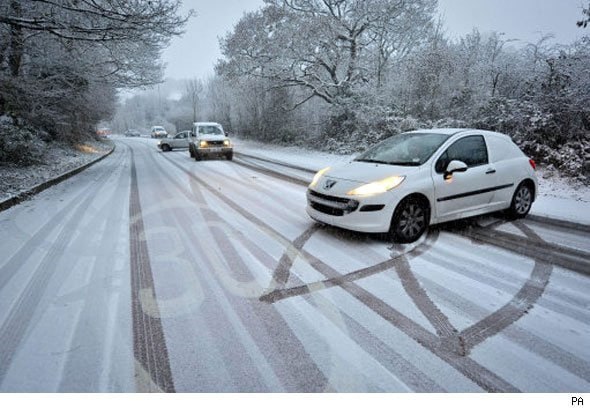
(471, 150)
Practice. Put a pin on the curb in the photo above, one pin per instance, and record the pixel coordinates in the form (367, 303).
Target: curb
(25, 195)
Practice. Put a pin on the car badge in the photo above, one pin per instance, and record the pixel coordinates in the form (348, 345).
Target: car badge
(328, 184)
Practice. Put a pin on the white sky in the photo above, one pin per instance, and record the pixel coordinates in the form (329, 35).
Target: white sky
(195, 53)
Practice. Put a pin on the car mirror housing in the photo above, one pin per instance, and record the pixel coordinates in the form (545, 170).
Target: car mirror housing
(455, 166)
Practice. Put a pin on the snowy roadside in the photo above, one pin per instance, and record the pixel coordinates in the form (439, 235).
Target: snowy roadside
(558, 197)
(58, 159)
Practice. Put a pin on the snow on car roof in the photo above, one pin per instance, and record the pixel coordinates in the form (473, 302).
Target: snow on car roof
(207, 124)
(443, 131)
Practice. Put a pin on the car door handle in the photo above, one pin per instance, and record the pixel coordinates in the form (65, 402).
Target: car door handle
(491, 171)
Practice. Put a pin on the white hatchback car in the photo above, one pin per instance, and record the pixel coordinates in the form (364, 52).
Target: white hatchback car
(416, 179)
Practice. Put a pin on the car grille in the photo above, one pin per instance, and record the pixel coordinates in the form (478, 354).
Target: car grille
(215, 143)
(331, 205)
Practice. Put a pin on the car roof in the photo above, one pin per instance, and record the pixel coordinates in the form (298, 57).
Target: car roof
(207, 124)
(442, 131)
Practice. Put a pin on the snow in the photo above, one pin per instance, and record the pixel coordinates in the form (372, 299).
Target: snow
(558, 197)
(57, 159)
(562, 199)
(214, 247)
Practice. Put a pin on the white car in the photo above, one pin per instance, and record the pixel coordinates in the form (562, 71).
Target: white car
(410, 181)
(209, 139)
(179, 140)
(158, 132)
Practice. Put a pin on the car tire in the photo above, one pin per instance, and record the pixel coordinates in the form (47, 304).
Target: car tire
(166, 148)
(410, 220)
(522, 201)
(190, 151)
(229, 156)
(197, 156)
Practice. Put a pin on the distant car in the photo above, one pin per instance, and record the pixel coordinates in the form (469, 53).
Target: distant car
(416, 179)
(179, 140)
(132, 133)
(209, 139)
(159, 132)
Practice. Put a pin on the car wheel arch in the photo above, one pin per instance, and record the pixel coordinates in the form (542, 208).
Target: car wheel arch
(531, 184)
(512, 212)
(420, 197)
(424, 203)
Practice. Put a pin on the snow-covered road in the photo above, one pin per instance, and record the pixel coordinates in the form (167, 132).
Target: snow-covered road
(152, 272)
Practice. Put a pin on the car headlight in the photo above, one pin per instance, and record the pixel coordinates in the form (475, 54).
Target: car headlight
(226, 142)
(377, 187)
(317, 176)
(203, 143)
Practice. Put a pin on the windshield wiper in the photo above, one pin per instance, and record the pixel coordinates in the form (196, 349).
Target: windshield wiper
(406, 163)
(372, 161)
(396, 163)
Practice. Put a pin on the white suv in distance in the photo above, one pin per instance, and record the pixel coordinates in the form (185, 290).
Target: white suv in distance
(209, 139)
(159, 132)
(416, 179)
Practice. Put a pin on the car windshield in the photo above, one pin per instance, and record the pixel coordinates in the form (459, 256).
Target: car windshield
(210, 130)
(158, 129)
(406, 149)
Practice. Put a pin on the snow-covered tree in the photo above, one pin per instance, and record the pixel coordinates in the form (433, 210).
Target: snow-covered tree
(62, 60)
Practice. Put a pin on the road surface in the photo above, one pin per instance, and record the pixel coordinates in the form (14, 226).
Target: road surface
(152, 272)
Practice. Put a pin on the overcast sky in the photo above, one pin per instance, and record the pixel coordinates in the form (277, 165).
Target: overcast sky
(196, 52)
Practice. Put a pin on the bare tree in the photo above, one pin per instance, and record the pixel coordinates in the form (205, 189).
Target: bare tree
(320, 46)
(62, 60)
(586, 19)
(193, 92)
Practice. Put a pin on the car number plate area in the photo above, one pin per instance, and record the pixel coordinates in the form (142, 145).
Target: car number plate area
(215, 149)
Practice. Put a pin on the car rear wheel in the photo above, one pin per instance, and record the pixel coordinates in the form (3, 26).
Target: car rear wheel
(166, 148)
(522, 201)
(409, 221)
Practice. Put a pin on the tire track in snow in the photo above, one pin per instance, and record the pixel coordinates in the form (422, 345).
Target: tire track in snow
(153, 372)
(36, 240)
(17, 323)
(294, 365)
(468, 367)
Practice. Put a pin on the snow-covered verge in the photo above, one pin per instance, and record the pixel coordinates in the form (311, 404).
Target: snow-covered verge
(55, 160)
(559, 197)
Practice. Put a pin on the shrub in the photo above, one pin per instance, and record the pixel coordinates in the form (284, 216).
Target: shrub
(19, 145)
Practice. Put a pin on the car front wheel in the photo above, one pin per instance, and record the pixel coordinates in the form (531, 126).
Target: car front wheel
(409, 221)
(522, 201)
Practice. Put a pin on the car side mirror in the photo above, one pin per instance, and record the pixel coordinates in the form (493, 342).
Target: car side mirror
(226, 133)
(455, 166)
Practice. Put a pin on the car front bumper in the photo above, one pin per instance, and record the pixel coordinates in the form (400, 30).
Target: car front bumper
(205, 151)
(366, 214)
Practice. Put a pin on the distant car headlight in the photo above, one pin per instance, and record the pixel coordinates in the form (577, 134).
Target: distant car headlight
(203, 143)
(377, 187)
(226, 142)
(317, 176)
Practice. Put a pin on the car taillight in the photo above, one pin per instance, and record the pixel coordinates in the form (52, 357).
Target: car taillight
(533, 164)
